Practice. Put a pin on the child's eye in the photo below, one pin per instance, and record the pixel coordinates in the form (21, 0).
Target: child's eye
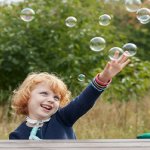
(44, 93)
(56, 98)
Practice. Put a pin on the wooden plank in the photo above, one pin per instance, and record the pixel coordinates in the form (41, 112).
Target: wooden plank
(110, 144)
(100, 148)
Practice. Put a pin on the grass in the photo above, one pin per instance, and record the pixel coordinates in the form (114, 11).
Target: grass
(103, 121)
(116, 120)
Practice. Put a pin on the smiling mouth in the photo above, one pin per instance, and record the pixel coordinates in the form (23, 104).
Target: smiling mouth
(46, 107)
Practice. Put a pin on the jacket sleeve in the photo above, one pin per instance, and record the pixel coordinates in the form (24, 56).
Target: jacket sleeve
(81, 104)
(13, 135)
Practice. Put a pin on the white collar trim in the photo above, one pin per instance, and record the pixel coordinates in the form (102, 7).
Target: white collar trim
(32, 121)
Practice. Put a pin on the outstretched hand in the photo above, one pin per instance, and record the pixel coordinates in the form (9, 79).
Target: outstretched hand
(114, 67)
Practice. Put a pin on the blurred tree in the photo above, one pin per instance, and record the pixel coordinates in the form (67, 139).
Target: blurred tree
(46, 44)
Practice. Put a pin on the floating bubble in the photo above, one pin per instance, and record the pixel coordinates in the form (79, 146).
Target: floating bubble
(81, 77)
(97, 44)
(131, 48)
(64, 1)
(143, 14)
(115, 53)
(27, 14)
(104, 20)
(111, 1)
(144, 22)
(71, 21)
(132, 5)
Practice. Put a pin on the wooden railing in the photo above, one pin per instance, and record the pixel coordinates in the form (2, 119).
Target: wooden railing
(114, 144)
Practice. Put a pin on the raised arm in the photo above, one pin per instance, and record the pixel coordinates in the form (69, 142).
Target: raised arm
(82, 103)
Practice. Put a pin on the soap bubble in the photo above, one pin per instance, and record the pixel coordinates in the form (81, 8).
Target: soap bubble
(131, 48)
(115, 53)
(27, 14)
(97, 44)
(71, 21)
(132, 5)
(81, 77)
(144, 22)
(143, 14)
(64, 1)
(104, 20)
(111, 1)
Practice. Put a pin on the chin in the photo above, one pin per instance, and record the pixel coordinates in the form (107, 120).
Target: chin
(45, 115)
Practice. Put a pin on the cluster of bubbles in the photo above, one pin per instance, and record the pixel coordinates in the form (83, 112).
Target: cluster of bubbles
(142, 14)
(104, 20)
(98, 44)
(130, 50)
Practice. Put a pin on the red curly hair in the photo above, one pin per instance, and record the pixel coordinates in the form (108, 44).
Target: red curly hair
(22, 94)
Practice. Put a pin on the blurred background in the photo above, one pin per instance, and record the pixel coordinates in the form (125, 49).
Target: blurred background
(39, 39)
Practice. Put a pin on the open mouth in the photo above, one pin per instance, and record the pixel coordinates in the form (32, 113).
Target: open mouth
(46, 107)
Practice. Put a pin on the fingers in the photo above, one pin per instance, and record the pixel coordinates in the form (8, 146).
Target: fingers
(125, 63)
(116, 55)
(124, 57)
(107, 66)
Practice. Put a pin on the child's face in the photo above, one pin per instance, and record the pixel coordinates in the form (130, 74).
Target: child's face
(43, 102)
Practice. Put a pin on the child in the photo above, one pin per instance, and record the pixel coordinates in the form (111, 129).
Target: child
(42, 97)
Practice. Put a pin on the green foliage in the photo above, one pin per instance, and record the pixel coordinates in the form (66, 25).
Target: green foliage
(46, 44)
(131, 84)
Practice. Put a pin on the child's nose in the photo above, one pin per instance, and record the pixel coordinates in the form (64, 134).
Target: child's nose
(51, 100)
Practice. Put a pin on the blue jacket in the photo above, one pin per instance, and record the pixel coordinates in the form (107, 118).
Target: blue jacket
(61, 123)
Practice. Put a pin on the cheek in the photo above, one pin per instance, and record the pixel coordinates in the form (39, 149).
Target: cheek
(33, 106)
(57, 104)
(30, 106)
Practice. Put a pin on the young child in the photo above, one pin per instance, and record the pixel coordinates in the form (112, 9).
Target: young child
(42, 98)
